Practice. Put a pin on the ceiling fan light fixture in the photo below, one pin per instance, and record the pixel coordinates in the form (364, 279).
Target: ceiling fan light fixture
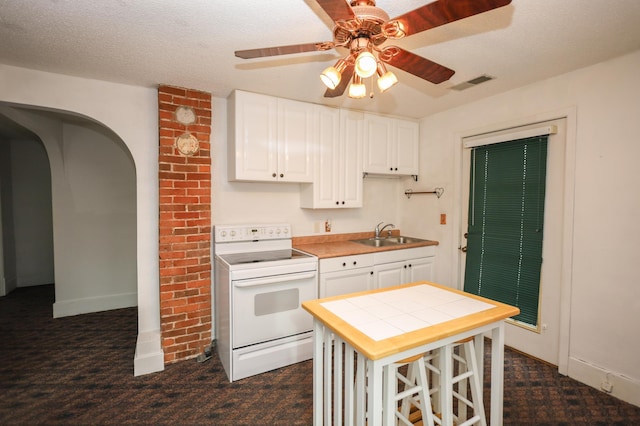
(361, 28)
(357, 89)
(366, 64)
(331, 76)
(386, 81)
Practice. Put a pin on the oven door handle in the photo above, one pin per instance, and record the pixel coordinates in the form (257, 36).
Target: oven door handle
(274, 279)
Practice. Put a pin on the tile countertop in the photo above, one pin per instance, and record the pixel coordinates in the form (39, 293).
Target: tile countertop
(335, 245)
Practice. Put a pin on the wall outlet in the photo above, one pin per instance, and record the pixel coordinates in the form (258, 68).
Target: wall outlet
(327, 225)
(443, 218)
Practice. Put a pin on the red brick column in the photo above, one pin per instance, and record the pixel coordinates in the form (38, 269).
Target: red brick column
(185, 222)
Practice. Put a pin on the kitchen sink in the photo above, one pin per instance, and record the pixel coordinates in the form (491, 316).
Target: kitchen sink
(388, 241)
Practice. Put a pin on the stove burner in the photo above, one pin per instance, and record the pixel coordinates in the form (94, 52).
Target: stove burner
(263, 256)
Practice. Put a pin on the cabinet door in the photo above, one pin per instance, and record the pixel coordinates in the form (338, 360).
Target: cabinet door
(349, 187)
(407, 136)
(378, 144)
(345, 282)
(389, 274)
(253, 138)
(297, 127)
(419, 270)
(338, 166)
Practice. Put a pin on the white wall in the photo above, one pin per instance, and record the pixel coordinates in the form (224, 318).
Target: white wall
(32, 218)
(247, 202)
(132, 114)
(98, 225)
(603, 276)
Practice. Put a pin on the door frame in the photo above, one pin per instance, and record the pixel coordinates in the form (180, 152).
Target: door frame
(570, 115)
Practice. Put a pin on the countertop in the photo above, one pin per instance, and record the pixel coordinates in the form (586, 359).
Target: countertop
(429, 312)
(335, 245)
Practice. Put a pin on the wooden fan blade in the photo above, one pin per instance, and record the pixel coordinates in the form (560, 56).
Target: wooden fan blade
(416, 65)
(338, 10)
(344, 82)
(442, 12)
(283, 50)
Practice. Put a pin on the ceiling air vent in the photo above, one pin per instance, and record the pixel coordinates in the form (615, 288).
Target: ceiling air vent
(472, 82)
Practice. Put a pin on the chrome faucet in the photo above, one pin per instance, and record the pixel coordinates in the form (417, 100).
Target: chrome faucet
(379, 230)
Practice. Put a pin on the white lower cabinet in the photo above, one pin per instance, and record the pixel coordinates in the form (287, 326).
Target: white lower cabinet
(403, 266)
(346, 274)
(350, 274)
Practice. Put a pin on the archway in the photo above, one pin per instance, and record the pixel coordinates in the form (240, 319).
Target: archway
(93, 208)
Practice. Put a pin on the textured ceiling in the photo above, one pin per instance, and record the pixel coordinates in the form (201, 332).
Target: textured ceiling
(191, 44)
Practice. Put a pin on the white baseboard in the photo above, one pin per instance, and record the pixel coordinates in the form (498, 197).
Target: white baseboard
(87, 305)
(622, 387)
(149, 357)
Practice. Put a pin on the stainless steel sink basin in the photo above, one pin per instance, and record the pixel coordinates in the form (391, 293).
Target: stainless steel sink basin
(404, 240)
(388, 241)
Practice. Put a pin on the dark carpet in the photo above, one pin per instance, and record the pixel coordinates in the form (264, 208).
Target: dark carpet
(79, 371)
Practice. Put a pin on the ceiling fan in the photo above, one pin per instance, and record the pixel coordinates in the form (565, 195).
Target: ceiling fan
(362, 28)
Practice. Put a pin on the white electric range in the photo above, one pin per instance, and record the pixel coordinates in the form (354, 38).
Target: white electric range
(259, 285)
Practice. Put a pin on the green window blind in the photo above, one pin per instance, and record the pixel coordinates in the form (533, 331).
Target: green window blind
(506, 218)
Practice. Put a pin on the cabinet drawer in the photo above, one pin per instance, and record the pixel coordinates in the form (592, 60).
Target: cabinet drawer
(345, 263)
(404, 254)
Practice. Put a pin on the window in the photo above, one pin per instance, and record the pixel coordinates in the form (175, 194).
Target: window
(506, 219)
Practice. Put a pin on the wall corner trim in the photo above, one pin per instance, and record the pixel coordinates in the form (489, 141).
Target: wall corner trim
(149, 356)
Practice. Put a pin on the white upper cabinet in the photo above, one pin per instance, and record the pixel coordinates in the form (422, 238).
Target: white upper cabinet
(270, 139)
(338, 169)
(391, 145)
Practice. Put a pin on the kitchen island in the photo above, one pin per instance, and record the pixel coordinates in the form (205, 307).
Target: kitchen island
(432, 317)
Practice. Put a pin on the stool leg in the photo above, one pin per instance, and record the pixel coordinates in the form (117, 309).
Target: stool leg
(405, 406)
(476, 384)
(425, 400)
(415, 390)
(454, 403)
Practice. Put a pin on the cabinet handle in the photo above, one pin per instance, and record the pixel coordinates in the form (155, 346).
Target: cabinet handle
(371, 272)
(391, 169)
(396, 169)
(405, 266)
(281, 175)
(344, 264)
(343, 202)
(409, 265)
(354, 263)
(337, 203)
(273, 175)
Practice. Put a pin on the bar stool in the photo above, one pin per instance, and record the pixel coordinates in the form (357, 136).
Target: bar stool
(415, 393)
(467, 370)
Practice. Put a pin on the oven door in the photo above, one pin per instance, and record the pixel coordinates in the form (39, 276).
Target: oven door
(269, 308)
